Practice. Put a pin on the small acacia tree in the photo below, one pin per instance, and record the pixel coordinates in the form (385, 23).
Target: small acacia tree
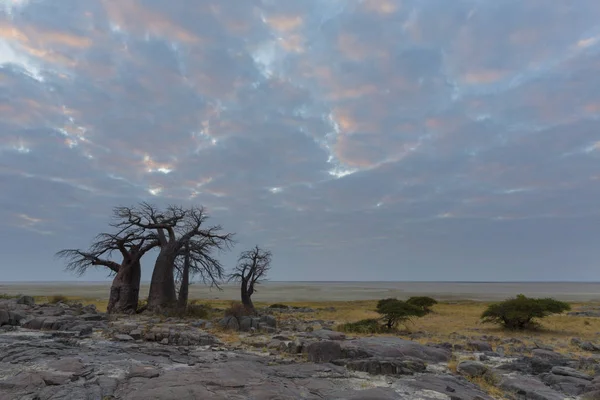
(251, 269)
(521, 312)
(394, 311)
(423, 302)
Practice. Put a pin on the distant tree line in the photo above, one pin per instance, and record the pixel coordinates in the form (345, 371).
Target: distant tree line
(187, 246)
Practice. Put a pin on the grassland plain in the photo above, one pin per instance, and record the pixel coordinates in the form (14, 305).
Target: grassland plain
(453, 320)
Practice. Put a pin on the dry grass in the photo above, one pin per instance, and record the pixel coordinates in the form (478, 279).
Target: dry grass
(488, 384)
(442, 325)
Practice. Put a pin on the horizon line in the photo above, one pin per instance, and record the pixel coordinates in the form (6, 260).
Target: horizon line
(324, 281)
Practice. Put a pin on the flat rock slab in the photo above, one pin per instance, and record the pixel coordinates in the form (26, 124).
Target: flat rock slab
(529, 388)
(437, 387)
(391, 347)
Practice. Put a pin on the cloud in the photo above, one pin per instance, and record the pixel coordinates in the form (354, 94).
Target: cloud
(361, 136)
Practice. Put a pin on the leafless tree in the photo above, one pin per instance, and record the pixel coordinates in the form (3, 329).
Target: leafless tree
(174, 228)
(125, 288)
(251, 269)
(196, 258)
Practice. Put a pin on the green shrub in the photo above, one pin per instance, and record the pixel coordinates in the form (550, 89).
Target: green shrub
(8, 296)
(520, 312)
(362, 326)
(59, 298)
(423, 302)
(279, 305)
(199, 311)
(394, 311)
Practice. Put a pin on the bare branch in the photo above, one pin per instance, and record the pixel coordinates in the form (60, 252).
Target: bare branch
(79, 261)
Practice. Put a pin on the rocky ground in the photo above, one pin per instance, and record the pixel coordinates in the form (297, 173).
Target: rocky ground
(67, 351)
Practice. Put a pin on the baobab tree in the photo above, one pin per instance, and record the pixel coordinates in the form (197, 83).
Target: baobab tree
(196, 258)
(125, 288)
(174, 228)
(251, 269)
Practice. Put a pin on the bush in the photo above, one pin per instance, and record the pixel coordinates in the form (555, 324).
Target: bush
(199, 311)
(423, 302)
(237, 310)
(520, 313)
(362, 326)
(394, 311)
(278, 305)
(57, 299)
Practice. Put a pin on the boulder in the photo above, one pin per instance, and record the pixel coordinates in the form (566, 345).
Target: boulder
(566, 371)
(393, 347)
(472, 368)
(324, 351)
(230, 323)
(247, 323)
(479, 345)
(566, 384)
(268, 320)
(526, 387)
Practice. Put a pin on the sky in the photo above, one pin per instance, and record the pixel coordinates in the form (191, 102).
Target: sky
(355, 139)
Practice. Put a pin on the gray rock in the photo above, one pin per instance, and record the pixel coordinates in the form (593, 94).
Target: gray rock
(268, 320)
(529, 388)
(324, 351)
(26, 300)
(586, 346)
(546, 354)
(447, 387)
(328, 334)
(566, 371)
(141, 371)
(478, 345)
(566, 384)
(246, 323)
(393, 347)
(384, 366)
(69, 365)
(136, 334)
(123, 338)
(230, 323)
(472, 368)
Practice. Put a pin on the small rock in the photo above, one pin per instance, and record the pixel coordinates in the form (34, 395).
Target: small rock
(141, 371)
(122, 337)
(164, 341)
(136, 334)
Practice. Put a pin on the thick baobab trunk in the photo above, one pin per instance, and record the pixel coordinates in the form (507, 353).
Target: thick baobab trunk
(247, 296)
(162, 286)
(185, 283)
(125, 289)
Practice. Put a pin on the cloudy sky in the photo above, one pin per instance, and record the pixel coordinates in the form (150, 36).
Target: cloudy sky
(357, 139)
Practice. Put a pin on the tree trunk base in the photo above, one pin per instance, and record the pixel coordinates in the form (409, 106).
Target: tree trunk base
(123, 299)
